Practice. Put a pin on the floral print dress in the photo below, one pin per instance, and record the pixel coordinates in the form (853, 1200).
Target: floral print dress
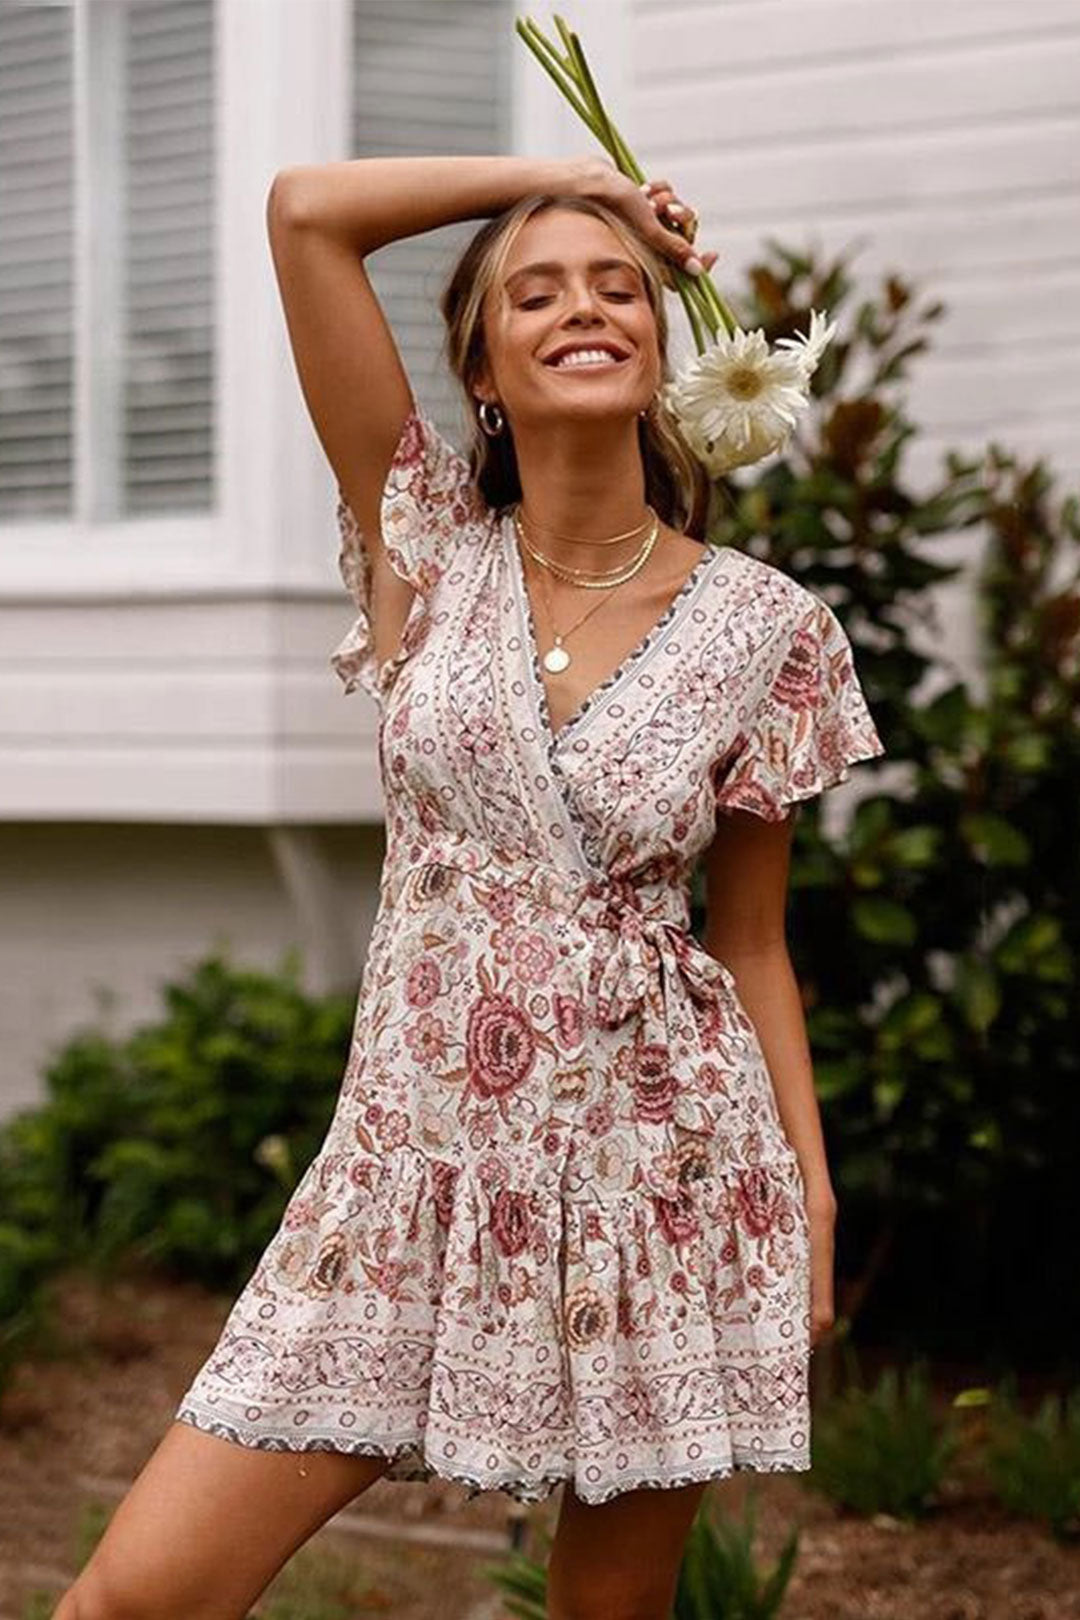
(555, 1230)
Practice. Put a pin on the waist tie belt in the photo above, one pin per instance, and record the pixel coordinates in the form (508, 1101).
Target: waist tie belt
(637, 955)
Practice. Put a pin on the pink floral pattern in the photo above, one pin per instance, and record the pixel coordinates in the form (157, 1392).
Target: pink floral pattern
(555, 1229)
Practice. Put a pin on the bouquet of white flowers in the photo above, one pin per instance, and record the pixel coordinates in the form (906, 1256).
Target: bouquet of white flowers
(738, 399)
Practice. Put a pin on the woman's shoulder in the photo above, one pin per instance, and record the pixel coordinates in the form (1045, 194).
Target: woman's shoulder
(751, 587)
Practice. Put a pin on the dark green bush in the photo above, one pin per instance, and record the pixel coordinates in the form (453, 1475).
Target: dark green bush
(240, 1060)
(882, 1450)
(176, 1146)
(1034, 1462)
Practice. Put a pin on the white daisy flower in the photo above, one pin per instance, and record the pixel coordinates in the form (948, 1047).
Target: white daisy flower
(738, 400)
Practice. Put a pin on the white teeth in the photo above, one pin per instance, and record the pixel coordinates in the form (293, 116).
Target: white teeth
(585, 357)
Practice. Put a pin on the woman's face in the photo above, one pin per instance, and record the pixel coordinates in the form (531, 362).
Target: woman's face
(568, 285)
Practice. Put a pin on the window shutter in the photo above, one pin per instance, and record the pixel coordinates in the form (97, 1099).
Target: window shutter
(37, 445)
(431, 76)
(168, 250)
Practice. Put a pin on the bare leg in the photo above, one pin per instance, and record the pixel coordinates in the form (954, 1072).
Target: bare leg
(207, 1525)
(619, 1560)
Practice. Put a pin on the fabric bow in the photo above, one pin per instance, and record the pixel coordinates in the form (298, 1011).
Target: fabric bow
(638, 956)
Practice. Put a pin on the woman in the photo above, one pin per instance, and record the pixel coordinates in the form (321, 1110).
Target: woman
(572, 1220)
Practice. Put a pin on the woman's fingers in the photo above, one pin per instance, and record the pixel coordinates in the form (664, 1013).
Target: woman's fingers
(670, 209)
(678, 223)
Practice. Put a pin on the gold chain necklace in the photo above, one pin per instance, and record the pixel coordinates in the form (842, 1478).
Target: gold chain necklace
(579, 576)
(576, 540)
(556, 659)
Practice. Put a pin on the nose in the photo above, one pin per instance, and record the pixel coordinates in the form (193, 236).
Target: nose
(582, 301)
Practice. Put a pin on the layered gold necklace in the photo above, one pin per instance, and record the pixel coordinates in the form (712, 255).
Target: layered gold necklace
(556, 659)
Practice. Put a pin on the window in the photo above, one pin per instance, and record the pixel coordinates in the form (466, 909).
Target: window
(106, 259)
(37, 174)
(430, 76)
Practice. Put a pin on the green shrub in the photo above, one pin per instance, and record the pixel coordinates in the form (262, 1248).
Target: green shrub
(522, 1581)
(882, 1450)
(719, 1578)
(164, 1153)
(177, 1146)
(1034, 1462)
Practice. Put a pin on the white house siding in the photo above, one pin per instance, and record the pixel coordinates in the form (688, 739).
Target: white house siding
(177, 762)
(97, 916)
(943, 138)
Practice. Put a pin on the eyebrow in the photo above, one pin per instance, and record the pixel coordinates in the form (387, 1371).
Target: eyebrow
(552, 267)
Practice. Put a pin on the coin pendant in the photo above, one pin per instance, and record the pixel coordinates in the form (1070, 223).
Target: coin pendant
(556, 659)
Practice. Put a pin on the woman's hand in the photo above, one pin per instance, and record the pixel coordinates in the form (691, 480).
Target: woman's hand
(662, 218)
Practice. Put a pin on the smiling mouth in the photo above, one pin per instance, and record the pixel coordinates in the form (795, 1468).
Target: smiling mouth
(595, 361)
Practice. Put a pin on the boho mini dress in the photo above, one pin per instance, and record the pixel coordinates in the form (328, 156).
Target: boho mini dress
(555, 1230)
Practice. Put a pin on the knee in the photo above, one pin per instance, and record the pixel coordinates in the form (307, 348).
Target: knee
(92, 1598)
(74, 1605)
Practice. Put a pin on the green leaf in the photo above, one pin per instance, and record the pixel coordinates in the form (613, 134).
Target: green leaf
(1030, 752)
(886, 922)
(978, 992)
(915, 847)
(993, 841)
(971, 1397)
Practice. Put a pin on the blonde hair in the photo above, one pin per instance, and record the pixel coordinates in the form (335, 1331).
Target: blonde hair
(675, 482)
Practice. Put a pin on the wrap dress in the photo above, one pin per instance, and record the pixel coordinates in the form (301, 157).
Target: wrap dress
(555, 1230)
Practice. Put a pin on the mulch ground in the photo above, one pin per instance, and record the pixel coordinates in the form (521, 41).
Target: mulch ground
(77, 1426)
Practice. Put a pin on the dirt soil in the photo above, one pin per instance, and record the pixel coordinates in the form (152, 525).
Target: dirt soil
(76, 1427)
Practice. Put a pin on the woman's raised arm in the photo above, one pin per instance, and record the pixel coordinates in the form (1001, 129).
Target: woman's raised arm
(322, 221)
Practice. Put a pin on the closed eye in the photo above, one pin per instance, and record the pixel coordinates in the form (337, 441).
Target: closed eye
(542, 298)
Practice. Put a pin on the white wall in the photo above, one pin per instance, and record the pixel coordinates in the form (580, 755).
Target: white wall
(942, 134)
(174, 744)
(96, 918)
(182, 708)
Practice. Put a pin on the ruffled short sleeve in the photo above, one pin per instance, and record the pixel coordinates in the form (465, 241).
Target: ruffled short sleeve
(429, 508)
(809, 728)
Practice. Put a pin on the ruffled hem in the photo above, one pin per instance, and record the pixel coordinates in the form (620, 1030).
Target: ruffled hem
(812, 726)
(750, 794)
(526, 1336)
(410, 1463)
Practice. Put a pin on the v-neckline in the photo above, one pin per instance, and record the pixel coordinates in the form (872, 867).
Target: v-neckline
(527, 623)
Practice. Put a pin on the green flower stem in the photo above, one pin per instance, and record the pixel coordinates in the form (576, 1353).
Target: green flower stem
(542, 48)
(553, 66)
(693, 317)
(706, 310)
(690, 289)
(621, 154)
(616, 146)
(719, 306)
